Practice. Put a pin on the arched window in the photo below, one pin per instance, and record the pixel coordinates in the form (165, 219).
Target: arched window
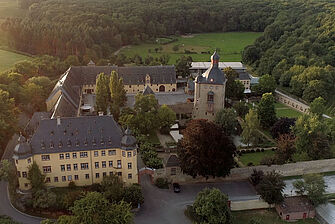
(210, 96)
(162, 88)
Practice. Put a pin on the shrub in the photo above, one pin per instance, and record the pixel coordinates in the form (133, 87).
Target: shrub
(242, 151)
(262, 150)
(268, 160)
(162, 183)
(256, 177)
(252, 151)
(189, 213)
(250, 164)
(72, 185)
(258, 150)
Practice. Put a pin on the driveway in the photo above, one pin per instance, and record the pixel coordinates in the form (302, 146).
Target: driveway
(166, 207)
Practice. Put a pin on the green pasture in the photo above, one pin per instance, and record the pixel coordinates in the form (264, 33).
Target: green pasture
(229, 45)
(8, 59)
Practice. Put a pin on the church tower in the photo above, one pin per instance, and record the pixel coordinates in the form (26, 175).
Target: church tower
(209, 92)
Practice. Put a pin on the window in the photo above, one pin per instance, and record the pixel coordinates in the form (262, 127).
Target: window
(104, 174)
(46, 169)
(119, 164)
(68, 167)
(74, 155)
(67, 155)
(69, 177)
(84, 166)
(96, 165)
(24, 174)
(47, 180)
(287, 217)
(83, 154)
(173, 171)
(210, 97)
(103, 164)
(75, 166)
(128, 154)
(29, 160)
(63, 178)
(87, 176)
(62, 167)
(129, 166)
(134, 153)
(110, 163)
(55, 179)
(18, 174)
(97, 175)
(103, 153)
(45, 157)
(61, 156)
(76, 177)
(119, 174)
(96, 153)
(111, 152)
(111, 173)
(123, 153)
(130, 176)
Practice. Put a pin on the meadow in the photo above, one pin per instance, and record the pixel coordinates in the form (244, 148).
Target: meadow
(199, 46)
(8, 59)
(285, 111)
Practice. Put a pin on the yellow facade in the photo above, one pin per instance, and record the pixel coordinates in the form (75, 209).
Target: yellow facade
(137, 88)
(81, 167)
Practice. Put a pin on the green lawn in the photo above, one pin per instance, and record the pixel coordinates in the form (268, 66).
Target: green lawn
(229, 45)
(8, 59)
(264, 217)
(285, 111)
(255, 157)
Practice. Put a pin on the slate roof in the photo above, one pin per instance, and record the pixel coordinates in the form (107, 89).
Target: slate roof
(22, 150)
(147, 90)
(76, 134)
(172, 161)
(243, 75)
(213, 75)
(296, 204)
(64, 108)
(35, 121)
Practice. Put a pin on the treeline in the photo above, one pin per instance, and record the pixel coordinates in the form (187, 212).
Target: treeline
(298, 50)
(93, 29)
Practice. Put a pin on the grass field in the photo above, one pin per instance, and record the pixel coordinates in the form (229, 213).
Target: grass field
(255, 157)
(8, 59)
(229, 45)
(285, 111)
(264, 217)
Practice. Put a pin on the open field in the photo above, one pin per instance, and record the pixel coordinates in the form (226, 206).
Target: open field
(285, 111)
(229, 45)
(254, 157)
(8, 59)
(264, 217)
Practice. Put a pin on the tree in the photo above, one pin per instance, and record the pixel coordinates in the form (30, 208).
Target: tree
(112, 188)
(315, 88)
(241, 109)
(318, 106)
(266, 110)
(26, 68)
(283, 125)
(267, 84)
(175, 48)
(205, 150)
(250, 126)
(102, 93)
(133, 195)
(271, 188)
(44, 199)
(231, 75)
(34, 95)
(166, 117)
(211, 207)
(4, 170)
(164, 59)
(6, 220)
(314, 186)
(94, 208)
(36, 178)
(250, 54)
(226, 118)
(256, 176)
(285, 148)
(118, 94)
(183, 65)
(72, 60)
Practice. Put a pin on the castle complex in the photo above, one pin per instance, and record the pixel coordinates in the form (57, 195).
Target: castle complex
(71, 143)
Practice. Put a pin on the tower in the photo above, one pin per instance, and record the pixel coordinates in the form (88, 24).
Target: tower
(209, 91)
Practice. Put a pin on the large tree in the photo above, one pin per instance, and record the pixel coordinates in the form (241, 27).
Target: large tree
(234, 88)
(102, 93)
(271, 188)
(183, 65)
(36, 178)
(266, 110)
(166, 117)
(205, 150)
(285, 148)
(227, 119)
(267, 84)
(318, 106)
(118, 94)
(250, 127)
(211, 207)
(314, 186)
(283, 125)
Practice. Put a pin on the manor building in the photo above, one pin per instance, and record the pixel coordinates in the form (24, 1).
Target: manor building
(78, 149)
(209, 91)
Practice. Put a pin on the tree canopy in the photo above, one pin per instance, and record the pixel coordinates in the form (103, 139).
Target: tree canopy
(266, 110)
(227, 119)
(205, 150)
(271, 188)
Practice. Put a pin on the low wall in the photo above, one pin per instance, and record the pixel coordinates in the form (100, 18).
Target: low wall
(291, 169)
(248, 205)
(293, 103)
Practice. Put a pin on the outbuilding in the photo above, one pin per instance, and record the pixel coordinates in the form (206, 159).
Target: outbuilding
(295, 208)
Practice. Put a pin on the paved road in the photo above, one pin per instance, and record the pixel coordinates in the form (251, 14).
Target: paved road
(166, 207)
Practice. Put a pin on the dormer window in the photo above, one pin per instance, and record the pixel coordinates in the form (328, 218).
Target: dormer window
(94, 142)
(110, 140)
(69, 143)
(85, 142)
(51, 145)
(42, 145)
(52, 133)
(60, 144)
(77, 142)
(64, 131)
(102, 141)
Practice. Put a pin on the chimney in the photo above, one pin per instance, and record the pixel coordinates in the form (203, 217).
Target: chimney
(101, 113)
(58, 120)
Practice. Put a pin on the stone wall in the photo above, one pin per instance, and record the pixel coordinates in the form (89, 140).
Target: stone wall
(248, 205)
(289, 101)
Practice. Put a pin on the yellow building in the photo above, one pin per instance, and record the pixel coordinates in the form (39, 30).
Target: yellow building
(78, 149)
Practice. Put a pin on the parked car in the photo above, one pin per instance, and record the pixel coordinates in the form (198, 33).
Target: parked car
(176, 187)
